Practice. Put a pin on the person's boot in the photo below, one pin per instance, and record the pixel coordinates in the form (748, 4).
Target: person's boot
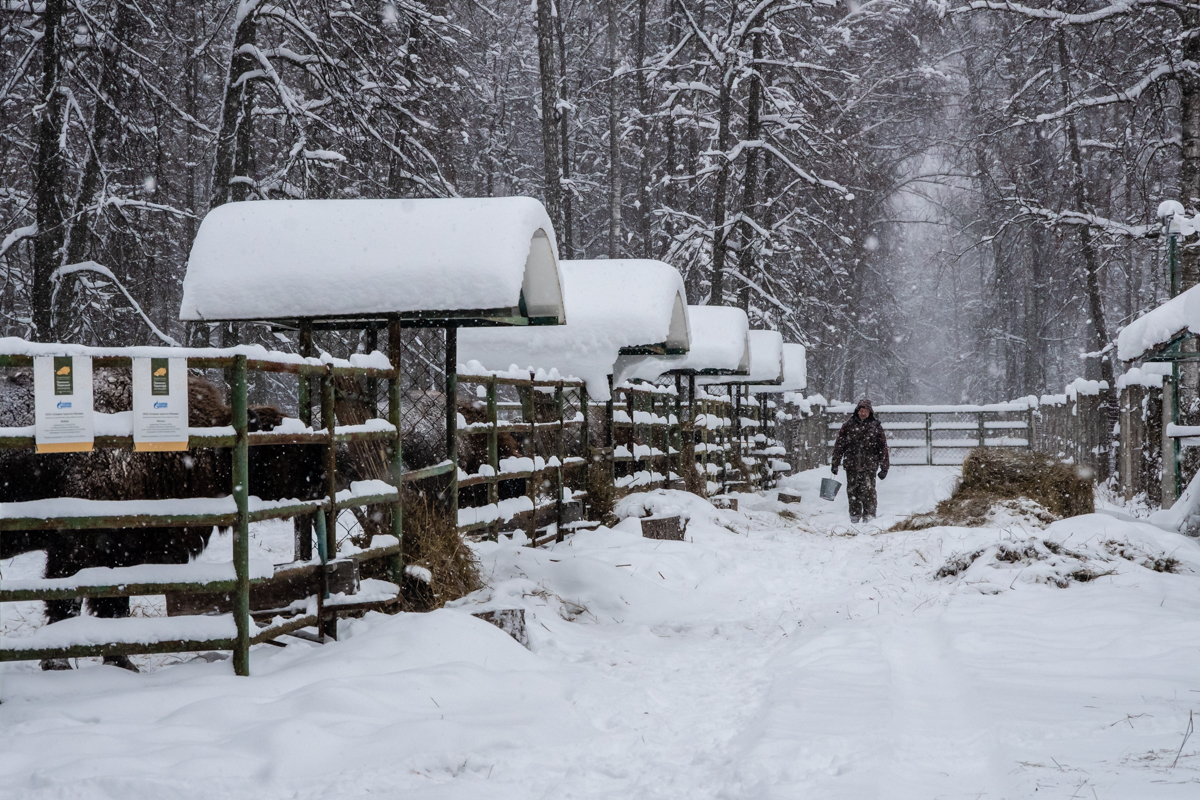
(120, 661)
(55, 664)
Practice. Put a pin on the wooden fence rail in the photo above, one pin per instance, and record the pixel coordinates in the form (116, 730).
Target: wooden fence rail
(283, 587)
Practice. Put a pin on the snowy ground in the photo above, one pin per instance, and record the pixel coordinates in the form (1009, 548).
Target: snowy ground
(769, 656)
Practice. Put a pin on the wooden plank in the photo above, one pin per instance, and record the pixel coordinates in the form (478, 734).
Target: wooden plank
(119, 590)
(280, 591)
(428, 472)
(100, 650)
(116, 521)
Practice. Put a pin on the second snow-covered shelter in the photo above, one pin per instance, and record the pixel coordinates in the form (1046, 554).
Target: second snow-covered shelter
(614, 307)
(720, 346)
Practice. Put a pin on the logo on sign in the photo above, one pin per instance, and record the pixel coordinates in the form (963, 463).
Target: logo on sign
(64, 376)
(160, 384)
(64, 404)
(160, 404)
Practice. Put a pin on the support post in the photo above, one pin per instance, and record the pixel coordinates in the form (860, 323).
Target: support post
(1170, 459)
(372, 344)
(929, 440)
(1125, 439)
(452, 419)
(303, 524)
(493, 445)
(397, 465)
(677, 431)
(982, 432)
(608, 415)
(328, 627)
(585, 429)
(531, 484)
(560, 451)
(241, 531)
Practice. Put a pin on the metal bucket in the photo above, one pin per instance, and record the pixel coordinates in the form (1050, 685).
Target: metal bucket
(829, 488)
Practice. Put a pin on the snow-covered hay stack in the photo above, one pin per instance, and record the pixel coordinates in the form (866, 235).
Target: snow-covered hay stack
(994, 476)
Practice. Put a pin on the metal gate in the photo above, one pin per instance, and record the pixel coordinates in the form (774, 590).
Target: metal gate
(943, 435)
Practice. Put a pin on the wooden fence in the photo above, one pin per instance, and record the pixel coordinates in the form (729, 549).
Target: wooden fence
(527, 454)
(258, 604)
(540, 481)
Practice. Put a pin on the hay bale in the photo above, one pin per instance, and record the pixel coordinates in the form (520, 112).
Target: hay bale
(991, 476)
(447, 567)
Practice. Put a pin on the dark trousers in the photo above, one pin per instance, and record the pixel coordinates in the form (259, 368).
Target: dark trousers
(860, 491)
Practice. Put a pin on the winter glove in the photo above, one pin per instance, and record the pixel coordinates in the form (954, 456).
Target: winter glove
(834, 469)
(882, 474)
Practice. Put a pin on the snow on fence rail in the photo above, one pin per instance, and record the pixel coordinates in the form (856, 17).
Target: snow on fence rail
(282, 598)
(943, 434)
(532, 454)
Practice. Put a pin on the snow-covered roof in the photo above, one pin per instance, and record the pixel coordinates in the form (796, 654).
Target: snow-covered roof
(1179, 314)
(766, 361)
(720, 346)
(490, 258)
(614, 307)
(795, 371)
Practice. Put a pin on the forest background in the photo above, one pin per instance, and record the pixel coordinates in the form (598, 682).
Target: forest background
(944, 201)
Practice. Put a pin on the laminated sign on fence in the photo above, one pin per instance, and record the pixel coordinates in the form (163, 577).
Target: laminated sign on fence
(62, 387)
(160, 404)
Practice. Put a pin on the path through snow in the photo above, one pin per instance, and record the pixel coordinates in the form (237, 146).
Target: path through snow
(767, 657)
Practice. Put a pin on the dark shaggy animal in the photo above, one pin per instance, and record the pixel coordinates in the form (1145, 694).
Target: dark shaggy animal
(276, 472)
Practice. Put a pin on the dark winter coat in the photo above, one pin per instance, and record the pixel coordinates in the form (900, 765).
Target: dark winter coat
(861, 444)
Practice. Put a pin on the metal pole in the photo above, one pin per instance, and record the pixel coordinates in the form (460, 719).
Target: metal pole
(1169, 460)
(241, 531)
(328, 627)
(929, 440)
(452, 419)
(303, 524)
(493, 445)
(560, 445)
(394, 417)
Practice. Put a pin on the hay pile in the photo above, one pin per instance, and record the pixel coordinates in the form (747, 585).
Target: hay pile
(442, 567)
(992, 477)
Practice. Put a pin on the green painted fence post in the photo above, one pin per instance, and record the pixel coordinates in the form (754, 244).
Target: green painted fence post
(560, 448)
(394, 417)
(493, 446)
(328, 627)
(241, 531)
(397, 473)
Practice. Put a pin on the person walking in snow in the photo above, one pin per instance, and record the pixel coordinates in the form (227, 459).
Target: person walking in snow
(862, 447)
